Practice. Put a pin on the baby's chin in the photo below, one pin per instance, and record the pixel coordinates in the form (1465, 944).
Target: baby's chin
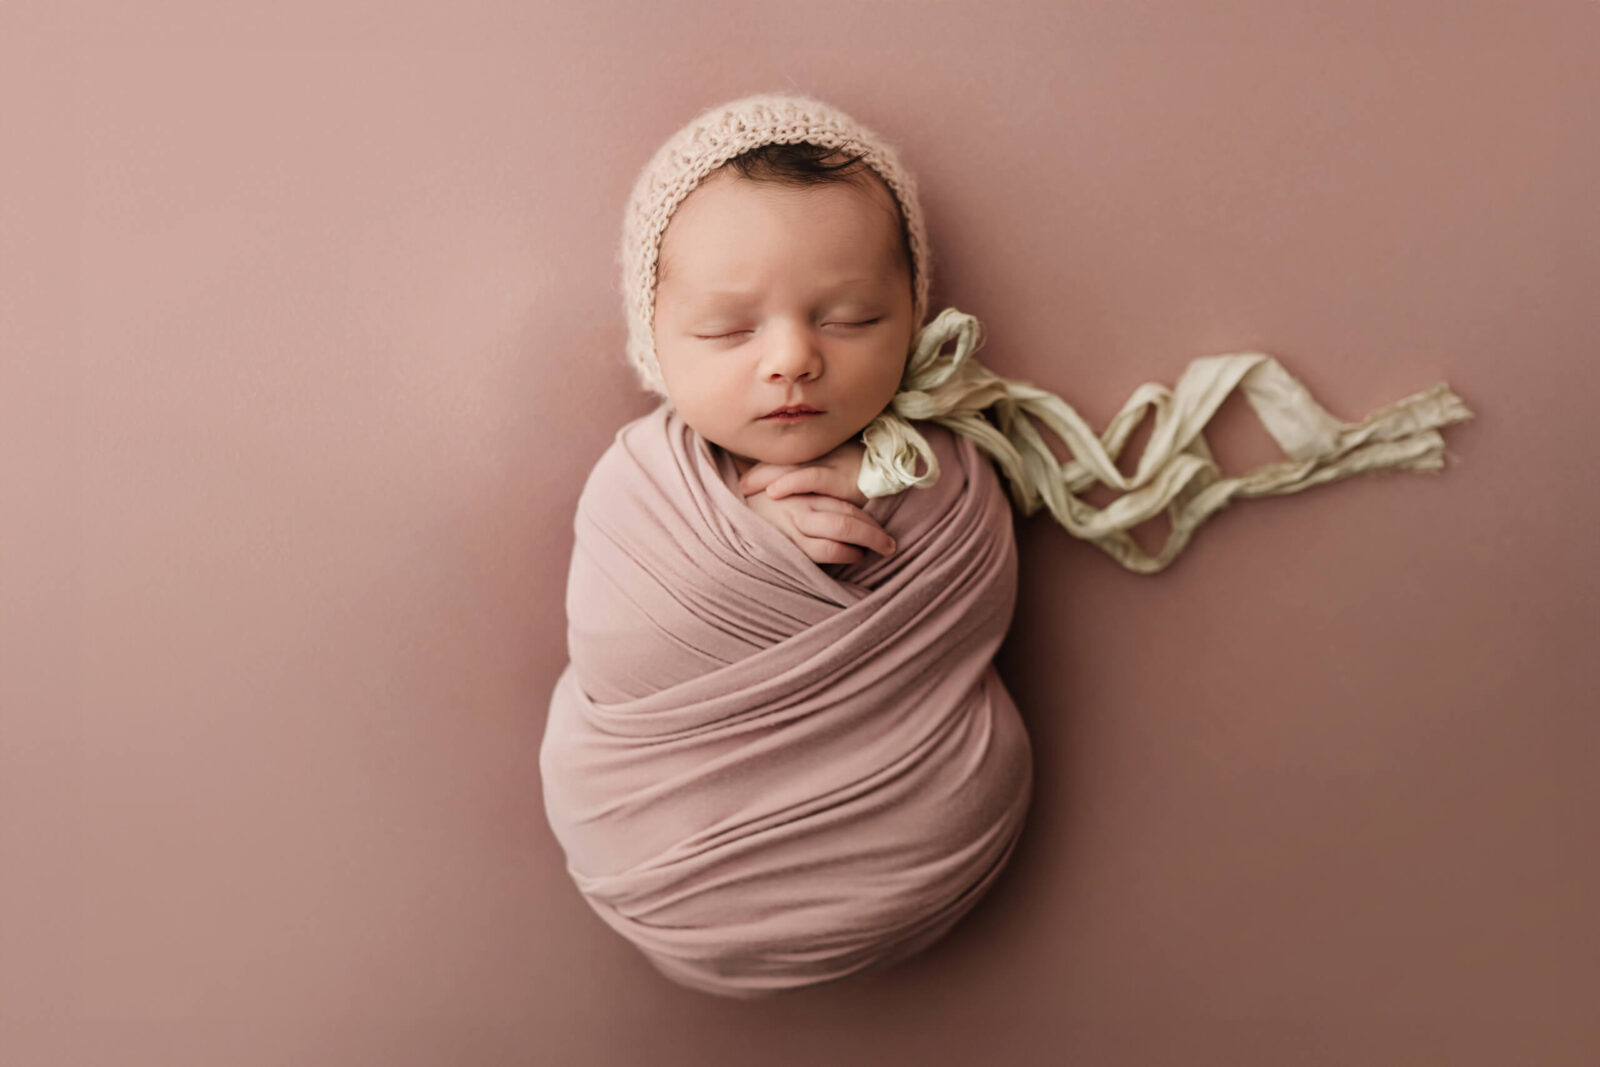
(790, 449)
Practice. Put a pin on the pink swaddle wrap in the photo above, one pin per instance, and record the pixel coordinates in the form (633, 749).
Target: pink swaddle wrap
(764, 773)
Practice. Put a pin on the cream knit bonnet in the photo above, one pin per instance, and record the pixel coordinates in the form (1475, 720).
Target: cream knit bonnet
(712, 139)
(943, 384)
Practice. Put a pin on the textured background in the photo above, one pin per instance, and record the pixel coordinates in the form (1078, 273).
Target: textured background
(309, 333)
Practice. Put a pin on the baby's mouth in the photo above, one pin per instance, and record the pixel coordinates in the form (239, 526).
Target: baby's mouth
(791, 413)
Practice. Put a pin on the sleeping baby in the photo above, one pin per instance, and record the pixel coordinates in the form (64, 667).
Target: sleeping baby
(780, 754)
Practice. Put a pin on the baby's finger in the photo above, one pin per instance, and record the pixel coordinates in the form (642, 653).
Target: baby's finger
(821, 550)
(762, 475)
(851, 527)
(823, 480)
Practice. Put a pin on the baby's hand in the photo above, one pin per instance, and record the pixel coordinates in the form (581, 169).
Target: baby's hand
(833, 475)
(826, 530)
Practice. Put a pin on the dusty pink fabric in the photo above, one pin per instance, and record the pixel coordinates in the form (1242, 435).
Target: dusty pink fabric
(765, 773)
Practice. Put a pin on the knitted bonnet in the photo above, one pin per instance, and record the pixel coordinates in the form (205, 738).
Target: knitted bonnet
(713, 138)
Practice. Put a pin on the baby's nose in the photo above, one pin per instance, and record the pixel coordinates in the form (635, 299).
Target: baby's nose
(791, 353)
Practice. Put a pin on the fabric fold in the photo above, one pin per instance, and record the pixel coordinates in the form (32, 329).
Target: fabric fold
(764, 773)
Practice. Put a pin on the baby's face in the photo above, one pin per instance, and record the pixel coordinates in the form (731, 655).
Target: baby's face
(771, 296)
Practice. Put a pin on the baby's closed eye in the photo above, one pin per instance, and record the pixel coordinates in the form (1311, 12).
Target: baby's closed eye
(728, 333)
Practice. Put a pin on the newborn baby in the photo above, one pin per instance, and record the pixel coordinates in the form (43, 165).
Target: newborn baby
(780, 754)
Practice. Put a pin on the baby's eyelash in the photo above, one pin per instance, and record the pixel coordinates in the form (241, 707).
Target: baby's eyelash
(736, 333)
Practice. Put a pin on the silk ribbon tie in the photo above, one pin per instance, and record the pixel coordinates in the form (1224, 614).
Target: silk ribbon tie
(1176, 473)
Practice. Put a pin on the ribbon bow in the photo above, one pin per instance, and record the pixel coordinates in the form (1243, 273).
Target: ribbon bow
(1176, 473)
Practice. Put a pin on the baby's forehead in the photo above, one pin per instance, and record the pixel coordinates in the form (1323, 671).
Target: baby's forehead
(714, 206)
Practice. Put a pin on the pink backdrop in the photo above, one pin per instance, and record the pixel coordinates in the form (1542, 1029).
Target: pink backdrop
(310, 332)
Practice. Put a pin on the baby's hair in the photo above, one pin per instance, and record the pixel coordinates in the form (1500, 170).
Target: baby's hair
(802, 165)
(797, 164)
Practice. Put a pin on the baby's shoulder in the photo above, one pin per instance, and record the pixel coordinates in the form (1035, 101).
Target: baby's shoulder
(642, 447)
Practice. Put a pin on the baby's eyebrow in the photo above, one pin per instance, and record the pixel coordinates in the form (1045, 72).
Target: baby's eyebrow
(847, 283)
(740, 295)
(721, 302)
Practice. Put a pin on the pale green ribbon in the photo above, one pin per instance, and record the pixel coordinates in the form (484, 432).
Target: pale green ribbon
(1176, 471)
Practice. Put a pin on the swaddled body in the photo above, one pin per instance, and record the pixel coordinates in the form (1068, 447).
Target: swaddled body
(763, 774)
(780, 753)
